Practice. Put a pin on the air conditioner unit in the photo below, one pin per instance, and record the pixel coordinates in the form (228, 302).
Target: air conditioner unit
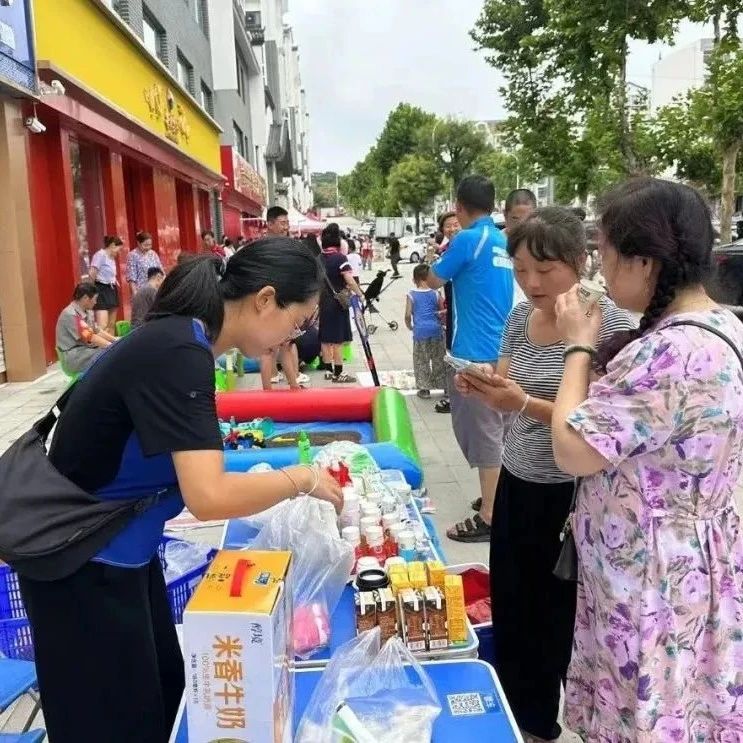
(252, 20)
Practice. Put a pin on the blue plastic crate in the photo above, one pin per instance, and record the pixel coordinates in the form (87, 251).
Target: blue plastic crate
(15, 631)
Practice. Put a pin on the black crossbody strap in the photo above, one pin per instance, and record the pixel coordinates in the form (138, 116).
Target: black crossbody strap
(44, 426)
(712, 330)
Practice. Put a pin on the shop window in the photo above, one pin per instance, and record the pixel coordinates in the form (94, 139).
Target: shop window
(87, 201)
(239, 139)
(242, 76)
(207, 99)
(185, 73)
(153, 35)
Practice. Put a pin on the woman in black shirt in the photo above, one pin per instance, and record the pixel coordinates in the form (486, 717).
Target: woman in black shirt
(143, 421)
(335, 322)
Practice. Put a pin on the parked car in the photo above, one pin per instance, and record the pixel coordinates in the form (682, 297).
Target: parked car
(725, 283)
(412, 248)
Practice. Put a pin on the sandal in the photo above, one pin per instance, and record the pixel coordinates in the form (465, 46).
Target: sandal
(476, 504)
(443, 405)
(424, 394)
(344, 379)
(470, 530)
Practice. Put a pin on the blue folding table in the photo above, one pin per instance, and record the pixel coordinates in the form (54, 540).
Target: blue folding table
(472, 702)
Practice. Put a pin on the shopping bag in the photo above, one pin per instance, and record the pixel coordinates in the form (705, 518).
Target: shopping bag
(367, 694)
(322, 564)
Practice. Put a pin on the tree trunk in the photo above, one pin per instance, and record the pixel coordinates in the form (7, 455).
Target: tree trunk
(729, 161)
(625, 135)
(417, 222)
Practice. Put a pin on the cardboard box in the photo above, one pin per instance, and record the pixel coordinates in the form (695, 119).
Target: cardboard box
(436, 574)
(437, 634)
(412, 619)
(237, 650)
(365, 611)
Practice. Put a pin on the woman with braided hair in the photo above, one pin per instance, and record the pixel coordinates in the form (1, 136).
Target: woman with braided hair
(658, 648)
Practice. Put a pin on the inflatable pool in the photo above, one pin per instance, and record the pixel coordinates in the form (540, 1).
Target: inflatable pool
(393, 445)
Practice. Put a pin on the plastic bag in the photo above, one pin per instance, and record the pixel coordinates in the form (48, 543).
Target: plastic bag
(356, 456)
(182, 557)
(322, 564)
(368, 694)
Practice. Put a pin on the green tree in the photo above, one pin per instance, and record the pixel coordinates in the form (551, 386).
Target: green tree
(363, 189)
(455, 145)
(507, 170)
(565, 65)
(399, 136)
(413, 183)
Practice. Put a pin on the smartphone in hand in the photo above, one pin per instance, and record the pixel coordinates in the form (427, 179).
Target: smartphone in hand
(467, 367)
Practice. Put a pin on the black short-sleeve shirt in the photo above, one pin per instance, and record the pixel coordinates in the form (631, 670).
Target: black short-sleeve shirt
(149, 395)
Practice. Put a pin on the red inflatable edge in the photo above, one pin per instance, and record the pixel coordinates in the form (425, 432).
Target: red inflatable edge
(346, 404)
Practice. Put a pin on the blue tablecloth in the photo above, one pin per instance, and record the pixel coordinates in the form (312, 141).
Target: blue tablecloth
(473, 707)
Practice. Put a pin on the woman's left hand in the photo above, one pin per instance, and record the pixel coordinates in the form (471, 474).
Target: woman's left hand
(578, 323)
(499, 393)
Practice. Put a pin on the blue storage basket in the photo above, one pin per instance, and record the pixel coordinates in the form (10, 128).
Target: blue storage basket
(15, 631)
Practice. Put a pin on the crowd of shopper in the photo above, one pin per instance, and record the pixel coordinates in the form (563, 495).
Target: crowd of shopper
(629, 438)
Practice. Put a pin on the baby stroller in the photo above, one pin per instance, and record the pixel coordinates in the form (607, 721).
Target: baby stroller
(371, 295)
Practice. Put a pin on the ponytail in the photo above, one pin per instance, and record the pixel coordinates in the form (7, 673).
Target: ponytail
(199, 287)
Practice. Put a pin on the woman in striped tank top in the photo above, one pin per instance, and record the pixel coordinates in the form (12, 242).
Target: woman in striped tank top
(533, 611)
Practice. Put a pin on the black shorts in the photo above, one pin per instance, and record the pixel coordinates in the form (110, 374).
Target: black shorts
(108, 296)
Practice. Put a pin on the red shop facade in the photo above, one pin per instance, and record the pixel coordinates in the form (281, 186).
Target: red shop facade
(243, 197)
(96, 172)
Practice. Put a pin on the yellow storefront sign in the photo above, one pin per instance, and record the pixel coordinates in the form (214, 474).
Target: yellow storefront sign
(81, 39)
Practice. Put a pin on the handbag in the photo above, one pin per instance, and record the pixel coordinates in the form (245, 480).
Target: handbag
(343, 297)
(49, 527)
(566, 567)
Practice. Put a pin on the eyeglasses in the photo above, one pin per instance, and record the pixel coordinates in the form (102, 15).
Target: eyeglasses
(299, 331)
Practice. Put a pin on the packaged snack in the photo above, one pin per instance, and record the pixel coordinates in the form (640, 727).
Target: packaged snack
(455, 611)
(366, 611)
(386, 613)
(436, 629)
(436, 573)
(412, 619)
(399, 581)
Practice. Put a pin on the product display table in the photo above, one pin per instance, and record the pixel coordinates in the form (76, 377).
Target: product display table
(472, 701)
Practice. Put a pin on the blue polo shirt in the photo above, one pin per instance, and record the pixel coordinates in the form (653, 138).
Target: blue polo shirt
(148, 396)
(481, 275)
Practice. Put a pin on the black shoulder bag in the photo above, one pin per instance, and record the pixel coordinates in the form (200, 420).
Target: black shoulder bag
(49, 527)
(566, 567)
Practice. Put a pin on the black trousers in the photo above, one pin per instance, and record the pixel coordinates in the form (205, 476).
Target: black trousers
(533, 612)
(394, 261)
(107, 655)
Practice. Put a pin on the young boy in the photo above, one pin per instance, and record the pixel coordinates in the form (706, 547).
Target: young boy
(423, 309)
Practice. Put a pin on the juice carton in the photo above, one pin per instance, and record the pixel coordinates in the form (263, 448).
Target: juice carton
(436, 573)
(436, 629)
(366, 611)
(412, 619)
(417, 574)
(237, 649)
(386, 614)
(455, 611)
(399, 581)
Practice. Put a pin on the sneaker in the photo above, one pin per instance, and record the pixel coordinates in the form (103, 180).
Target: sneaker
(328, 376)
(344, 379)
(424, 394)
(278, 379)
(302, 379)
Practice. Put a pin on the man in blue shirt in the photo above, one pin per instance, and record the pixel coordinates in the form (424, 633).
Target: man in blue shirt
(481, 275)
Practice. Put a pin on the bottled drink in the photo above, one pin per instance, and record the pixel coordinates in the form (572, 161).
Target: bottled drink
(303, 444)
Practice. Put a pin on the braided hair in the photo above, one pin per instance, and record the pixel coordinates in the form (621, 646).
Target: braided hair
(667, 222)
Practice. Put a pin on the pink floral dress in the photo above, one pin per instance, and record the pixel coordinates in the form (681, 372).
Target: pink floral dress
(658, 649)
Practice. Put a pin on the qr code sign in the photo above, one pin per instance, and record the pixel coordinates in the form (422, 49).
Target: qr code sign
(466, 704)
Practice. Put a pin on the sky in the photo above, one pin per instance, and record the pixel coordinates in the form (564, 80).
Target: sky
(359, 59)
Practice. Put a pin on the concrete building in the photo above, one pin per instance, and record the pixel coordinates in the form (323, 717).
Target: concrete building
(286, 115)
(236, 40)
(679, 71)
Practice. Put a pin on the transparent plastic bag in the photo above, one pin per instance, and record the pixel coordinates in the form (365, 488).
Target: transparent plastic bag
(182, 557)
(322, 564)
(356, 456)
(367, 694)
